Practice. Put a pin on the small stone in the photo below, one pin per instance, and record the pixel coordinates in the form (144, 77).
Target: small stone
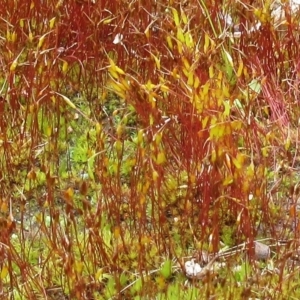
(192, 269)
(262, 251)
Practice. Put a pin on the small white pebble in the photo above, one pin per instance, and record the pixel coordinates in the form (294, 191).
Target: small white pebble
(191, 268)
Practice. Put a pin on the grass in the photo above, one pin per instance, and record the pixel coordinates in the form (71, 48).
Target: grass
(151, 137)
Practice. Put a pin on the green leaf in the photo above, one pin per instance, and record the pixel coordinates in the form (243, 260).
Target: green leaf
(137, 286)
(175, 16)
(216, 131)
(161, 158)
(228, 64)
(226, 108)
(123, 279)
(255, 86)
(228, 58)
(166, 269)
(228, 180)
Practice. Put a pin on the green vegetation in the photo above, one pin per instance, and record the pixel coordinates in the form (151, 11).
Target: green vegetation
(149, 149)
